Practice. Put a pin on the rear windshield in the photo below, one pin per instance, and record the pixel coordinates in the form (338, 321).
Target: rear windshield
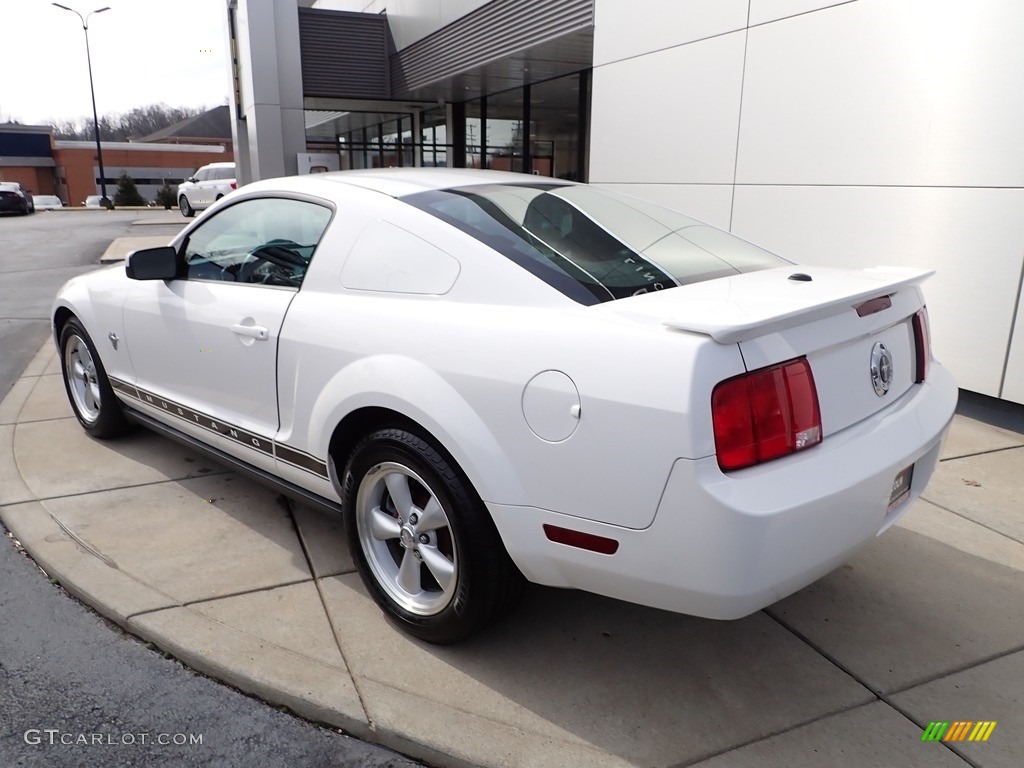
(590, 244)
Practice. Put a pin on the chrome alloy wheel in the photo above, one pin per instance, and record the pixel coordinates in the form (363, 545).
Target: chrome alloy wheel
(82, 376)
(406, 538)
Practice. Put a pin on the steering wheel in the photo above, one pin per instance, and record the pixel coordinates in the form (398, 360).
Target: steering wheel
(279, 254)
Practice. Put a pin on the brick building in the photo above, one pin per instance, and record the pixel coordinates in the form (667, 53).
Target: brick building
(150, 165)
(69, 169)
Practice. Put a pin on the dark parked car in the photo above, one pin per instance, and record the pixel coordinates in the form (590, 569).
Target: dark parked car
(14, 198)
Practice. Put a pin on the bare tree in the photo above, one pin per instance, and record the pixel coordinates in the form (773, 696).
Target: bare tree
(140, 121)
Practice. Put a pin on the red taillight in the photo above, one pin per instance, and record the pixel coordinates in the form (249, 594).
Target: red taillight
(922, 344)
(765, 414)
(234, 185)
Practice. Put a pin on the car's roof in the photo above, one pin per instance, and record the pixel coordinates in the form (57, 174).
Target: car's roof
(397, 182)
(220, 165)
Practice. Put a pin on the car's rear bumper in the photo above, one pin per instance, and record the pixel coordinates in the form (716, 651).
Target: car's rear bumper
(724, 546)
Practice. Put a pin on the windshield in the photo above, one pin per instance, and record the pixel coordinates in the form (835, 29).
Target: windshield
(590, 244)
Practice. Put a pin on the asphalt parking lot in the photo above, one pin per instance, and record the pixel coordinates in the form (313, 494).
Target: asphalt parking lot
(66, 673)
(924, 625)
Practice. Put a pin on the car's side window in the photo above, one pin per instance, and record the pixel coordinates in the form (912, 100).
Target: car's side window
(201, 175)
(266, 241)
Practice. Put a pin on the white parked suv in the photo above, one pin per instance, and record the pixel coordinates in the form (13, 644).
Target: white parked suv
(209, 184)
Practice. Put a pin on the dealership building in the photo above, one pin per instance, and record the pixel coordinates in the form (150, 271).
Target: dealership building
(848, 133)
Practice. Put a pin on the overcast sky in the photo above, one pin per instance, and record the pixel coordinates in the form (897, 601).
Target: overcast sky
(143, 52)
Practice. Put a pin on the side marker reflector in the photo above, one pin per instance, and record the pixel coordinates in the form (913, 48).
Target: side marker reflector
(581, 540)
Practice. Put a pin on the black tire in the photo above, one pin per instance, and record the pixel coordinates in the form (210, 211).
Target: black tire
(484, 581)
(185, 207)
(85, 381)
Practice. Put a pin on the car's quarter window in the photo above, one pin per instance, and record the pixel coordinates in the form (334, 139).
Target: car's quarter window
(387, 258)
(590, 244)
(266, 241)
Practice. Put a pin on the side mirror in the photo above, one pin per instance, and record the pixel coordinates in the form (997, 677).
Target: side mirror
(192, 179)
(152, 264)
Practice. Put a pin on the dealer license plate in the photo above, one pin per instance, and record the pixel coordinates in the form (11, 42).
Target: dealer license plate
(900, 488)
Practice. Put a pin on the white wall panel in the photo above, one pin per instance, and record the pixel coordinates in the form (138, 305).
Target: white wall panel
(908, 92)
(708, 202)
(762, 11)
(668, 117)
(625, 28)
(971, 237)
(356, 6)
(1013, 387)
(412, 20)
(453, 10)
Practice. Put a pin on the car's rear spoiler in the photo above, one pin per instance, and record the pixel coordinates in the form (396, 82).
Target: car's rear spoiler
(743, 307)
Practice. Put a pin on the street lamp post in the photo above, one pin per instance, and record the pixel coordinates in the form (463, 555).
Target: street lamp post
(104, 200)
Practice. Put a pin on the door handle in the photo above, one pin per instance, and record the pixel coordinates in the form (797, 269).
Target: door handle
(257, 332)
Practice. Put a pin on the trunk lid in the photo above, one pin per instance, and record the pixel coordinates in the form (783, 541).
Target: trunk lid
(838, 319)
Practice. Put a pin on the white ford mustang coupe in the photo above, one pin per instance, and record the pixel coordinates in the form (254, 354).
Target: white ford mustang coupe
(495, 376)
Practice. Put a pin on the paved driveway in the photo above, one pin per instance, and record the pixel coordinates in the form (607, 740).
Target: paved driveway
(924, 625)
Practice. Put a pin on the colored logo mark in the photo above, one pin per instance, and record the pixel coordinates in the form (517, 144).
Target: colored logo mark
(959, 730)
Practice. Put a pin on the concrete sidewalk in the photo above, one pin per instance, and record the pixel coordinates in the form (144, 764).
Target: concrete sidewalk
(925, 624)
(122, 246)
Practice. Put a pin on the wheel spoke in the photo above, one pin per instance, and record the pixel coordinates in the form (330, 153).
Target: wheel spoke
(78, 368)
(92, 396)
(409, 574)
(384, 526)
(439, 566)
(398, 487)
(432, 518)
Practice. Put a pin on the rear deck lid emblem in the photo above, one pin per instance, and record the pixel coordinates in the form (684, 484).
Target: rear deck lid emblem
(881, 369)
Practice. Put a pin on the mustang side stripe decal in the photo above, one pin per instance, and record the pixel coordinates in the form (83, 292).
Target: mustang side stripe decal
(301, 460)
(287, 454)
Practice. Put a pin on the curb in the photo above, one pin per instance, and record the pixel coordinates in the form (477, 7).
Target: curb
(119, 249)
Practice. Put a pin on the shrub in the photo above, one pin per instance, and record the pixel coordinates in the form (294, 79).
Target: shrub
(127, 193)
(166, 197)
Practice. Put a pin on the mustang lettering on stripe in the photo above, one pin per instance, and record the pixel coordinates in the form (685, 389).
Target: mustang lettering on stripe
(284, 453)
